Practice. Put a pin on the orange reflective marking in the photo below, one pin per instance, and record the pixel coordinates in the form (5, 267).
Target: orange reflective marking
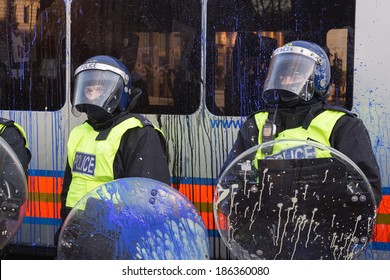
(197, 193)
(43, 209)
(208, 220)
(44, 184)
(384, 206)
(222, 221)
(381, 233)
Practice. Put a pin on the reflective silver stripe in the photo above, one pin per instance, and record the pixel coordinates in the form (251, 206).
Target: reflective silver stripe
(101, 66)
(300, 51)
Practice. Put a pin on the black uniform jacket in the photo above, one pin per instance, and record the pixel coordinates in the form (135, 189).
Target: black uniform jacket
(349, 136)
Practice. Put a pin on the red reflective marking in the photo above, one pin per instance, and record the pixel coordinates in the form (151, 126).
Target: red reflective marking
(43, 209)
(197, 193)
(384, 206)
(381, 233)
(208, 220)
(194, 193)
(41, 184)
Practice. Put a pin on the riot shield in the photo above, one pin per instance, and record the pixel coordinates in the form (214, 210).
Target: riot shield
(13, 193)
(293, 199)
(134, 218)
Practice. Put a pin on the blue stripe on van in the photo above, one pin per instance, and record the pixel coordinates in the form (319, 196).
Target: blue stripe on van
(380, 246)
(46, 173)
(42, 221)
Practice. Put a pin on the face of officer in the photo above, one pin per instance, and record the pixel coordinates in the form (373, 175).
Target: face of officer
(93, 92)
(288, 98)
(291, 80)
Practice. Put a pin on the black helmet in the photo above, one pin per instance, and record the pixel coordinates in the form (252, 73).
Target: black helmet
(102, 84)
(297, 71)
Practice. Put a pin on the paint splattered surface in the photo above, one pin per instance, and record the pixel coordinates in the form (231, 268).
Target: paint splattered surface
(134, 218)
(294, 207)
(13, 193)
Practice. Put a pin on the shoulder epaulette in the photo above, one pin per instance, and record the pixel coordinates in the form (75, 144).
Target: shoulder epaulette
(142, 119)
(340, 109)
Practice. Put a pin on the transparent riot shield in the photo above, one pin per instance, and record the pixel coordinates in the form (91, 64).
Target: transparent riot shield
(13, 193)
(134, 218)
(293, 199)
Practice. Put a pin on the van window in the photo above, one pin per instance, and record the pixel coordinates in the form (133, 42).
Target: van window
(159, 44)
(242, 37)
(340, 50)
(32, 61)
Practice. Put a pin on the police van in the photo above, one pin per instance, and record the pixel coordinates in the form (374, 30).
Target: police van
(201, 66)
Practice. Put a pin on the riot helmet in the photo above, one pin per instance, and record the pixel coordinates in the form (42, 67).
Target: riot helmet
(297, 71)
(102, 88)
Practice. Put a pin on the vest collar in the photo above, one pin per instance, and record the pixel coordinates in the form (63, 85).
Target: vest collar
(105, 128)
(298, 116)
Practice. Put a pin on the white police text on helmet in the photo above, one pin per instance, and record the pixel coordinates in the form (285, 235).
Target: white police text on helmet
(87, 66)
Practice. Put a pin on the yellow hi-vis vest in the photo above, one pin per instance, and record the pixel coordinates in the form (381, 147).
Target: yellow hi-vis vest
(21, 130)
(319, 130)
(91, 160)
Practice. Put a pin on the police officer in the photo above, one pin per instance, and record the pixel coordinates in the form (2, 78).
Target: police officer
(15, 136)
(12, 197)
(112, 143)
(296, 87)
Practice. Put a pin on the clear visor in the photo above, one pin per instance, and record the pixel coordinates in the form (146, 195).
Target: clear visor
(97, 87)
(290, 72)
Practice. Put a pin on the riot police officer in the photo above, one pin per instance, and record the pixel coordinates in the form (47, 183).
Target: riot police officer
(296, 88)
(13, 180)
(112, 143)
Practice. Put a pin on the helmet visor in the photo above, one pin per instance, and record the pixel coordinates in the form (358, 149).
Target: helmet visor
(97, 87)
(290, 72)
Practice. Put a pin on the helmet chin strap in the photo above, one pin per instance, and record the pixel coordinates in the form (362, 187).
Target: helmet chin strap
(300, 102)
